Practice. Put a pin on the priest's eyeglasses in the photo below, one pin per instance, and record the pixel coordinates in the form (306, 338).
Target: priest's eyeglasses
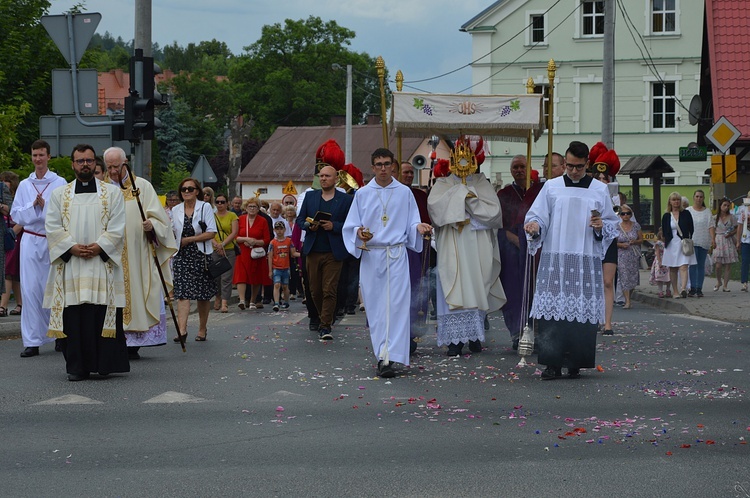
(383, 165)
(81, 162)
(576, 166)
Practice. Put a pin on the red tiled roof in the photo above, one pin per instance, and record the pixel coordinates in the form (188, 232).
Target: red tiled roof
(729, 52)
(116, 84)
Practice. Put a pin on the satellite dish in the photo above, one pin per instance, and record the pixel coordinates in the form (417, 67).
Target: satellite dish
(695, 109)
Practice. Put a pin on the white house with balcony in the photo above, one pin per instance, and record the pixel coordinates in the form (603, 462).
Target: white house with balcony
(657, 61)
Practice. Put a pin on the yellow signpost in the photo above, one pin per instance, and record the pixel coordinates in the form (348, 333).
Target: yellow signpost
(724, 168)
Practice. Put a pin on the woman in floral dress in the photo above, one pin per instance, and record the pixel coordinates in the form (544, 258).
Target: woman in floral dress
(722, 232)
(628, 253)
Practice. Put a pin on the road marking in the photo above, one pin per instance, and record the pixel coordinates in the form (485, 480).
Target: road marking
(280, 396)
(175, 397)
(70, 399)
(704, 319)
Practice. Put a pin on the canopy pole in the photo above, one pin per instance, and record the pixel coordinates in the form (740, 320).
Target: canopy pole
(399, 87)
(380, 66)
(530, 138)
(551, 69)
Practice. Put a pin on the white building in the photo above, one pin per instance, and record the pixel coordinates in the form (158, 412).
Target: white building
(657, 72)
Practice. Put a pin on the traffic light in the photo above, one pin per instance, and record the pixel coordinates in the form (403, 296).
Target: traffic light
(140, 121)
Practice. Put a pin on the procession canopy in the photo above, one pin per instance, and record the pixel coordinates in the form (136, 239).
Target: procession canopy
(498, 117)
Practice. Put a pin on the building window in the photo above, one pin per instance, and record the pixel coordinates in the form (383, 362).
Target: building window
(663, 16)
(664, 181)
(663, 106)
(706, 180)
(593, 17)
(544, 90)
(537, 28)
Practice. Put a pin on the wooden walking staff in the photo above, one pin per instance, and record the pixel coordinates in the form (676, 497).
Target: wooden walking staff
(151, 236)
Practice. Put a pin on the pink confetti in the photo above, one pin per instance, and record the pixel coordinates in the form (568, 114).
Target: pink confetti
(279, 408)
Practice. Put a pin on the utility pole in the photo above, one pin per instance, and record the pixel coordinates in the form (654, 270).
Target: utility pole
(141, 152)
(608, 76)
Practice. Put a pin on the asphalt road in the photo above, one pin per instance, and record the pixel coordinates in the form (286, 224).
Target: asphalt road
(264, 409)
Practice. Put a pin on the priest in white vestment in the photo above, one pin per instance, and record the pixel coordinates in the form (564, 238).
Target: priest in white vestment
(85, 289)
(144, 316)
(466, 217)
(573, 222)
(388, 210)
(29, 210)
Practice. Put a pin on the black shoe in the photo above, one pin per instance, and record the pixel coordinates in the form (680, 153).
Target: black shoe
(133, 353)
(285, 305)
(386, 371)
(351, 310)
(340, 313)
(412, 346)
(699, 293)
(608, 332)
(58, 345)
(325, 334)
(550, 373)
(486, 323)
(515, 344)
(314, 326)
(692, 293)
(29, 352)
(475, 346)
(77, 377)
(455, 349)
(266, 301)
(574, 373)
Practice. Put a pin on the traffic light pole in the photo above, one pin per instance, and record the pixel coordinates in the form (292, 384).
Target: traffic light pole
(143, 40)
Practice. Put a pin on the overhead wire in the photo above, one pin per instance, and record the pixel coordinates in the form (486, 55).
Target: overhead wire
(531, 47)
(647, 58)
(485, 55)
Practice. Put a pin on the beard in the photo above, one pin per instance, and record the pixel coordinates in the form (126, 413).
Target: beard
(85, 175)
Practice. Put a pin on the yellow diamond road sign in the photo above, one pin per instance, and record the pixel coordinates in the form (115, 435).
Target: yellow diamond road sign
(723, 134)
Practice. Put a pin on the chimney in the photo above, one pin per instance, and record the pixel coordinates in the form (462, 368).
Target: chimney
(338, 120)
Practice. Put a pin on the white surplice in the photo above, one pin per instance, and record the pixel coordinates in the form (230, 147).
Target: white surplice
(384, 269)
(569, 283)
(144, 315)
(85, 218)
(468, 257)
(34, 255)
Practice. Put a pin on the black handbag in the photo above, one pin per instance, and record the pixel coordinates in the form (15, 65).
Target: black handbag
(9, 241)
(219, 267)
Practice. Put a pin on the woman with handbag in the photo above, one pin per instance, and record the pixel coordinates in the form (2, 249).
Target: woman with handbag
(677, 227)
(722, 232)
(227, 227)
(629, 243)
(251, 266)
(194, 225)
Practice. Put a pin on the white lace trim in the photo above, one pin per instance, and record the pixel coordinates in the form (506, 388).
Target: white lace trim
(460, 326)
(569, 287)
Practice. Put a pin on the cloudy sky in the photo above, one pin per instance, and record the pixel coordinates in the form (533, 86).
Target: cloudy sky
(419, 37)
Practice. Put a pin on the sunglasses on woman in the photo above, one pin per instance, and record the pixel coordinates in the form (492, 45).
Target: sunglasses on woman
(626, 213)
(188, 189)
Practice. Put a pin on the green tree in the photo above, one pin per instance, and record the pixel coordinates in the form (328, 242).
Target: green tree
(213, 56)
(286, 78)
(27, 55)
(171, 178)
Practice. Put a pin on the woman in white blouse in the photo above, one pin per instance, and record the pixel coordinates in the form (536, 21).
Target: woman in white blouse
(701, 240)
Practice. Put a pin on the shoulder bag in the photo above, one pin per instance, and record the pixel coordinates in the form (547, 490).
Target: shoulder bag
(257, 252)
(687, 244)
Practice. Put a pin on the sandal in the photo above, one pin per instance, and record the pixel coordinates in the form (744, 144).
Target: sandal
(224, 309)
(177, 339)
(241, 305)
(200, 338)
(3, 311)
(16, 310)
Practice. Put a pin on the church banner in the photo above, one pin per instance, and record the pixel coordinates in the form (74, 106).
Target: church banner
(503, 117)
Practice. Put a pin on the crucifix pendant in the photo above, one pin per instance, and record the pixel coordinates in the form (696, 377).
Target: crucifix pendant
(384, 219)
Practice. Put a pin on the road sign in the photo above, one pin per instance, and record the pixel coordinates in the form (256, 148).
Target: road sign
(723, 134)
(62, 91)
(203, 172)
(289, 188)
(65, 132)
(724, 168)
(84, 27)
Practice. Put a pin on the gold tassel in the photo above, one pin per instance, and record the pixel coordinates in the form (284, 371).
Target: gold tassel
(56, 334)
(109, 333)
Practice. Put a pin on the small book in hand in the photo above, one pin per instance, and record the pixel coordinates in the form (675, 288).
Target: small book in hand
(320, 216)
